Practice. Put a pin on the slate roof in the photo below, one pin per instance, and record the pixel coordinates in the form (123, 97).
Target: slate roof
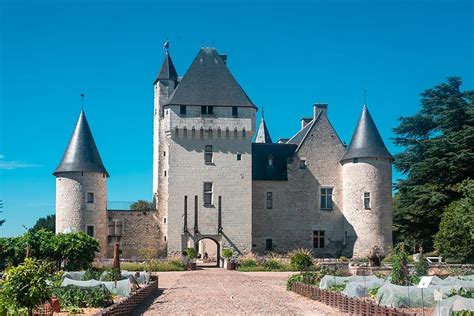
(81, 154)
(167, 71)
(263, 135)
(301, 135)
(208, 81)
(280, 153)
(366, 140)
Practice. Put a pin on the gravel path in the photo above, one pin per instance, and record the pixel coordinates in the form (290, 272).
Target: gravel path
(214, 291)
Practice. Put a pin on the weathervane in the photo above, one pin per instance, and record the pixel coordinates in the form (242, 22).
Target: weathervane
(166, 46)
(82, 100)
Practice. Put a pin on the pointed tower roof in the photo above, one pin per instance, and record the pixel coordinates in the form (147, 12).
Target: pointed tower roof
(263, 136)
(167, 71)
(366, 140)
(81, 154)
(208, 81)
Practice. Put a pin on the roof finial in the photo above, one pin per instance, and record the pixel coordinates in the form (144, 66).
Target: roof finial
(365, 97)
(82, 101)
(166, 46)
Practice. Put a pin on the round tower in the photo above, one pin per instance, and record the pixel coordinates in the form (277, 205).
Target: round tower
(367, 189)
(81, 186)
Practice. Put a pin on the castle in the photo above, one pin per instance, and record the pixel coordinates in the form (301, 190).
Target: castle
(219, 179)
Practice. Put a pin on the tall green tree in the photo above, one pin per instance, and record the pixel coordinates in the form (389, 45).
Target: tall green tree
(47, 223)
(438, 155)
(142, 205)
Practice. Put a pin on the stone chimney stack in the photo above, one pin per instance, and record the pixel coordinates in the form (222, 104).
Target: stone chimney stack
(320, 107)
(305, 121)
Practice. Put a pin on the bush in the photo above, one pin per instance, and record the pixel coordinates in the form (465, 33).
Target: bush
(25, 285)
(337, 288)
(112, 274)
(73, 296)
(91, 274)
(227, 253)
(154, 265)
(273, 264)
(301, 259)
(247, 263)
(191, 253)
(400, 273)
(456, 231)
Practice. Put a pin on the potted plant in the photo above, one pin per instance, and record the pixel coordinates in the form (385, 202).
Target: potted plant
(191, 254)
(227, 253)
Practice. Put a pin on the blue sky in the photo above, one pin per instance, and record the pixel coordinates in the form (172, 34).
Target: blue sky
(286, 55)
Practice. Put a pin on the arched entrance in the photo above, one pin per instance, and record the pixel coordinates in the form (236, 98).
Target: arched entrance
(209, 252)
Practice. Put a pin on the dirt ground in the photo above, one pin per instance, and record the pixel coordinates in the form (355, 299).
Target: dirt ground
(215, 291)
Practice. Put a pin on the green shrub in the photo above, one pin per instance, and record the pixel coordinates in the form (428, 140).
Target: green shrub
(227, 253)
(247, 263)
(154, 265)
(456, 231)
(191, 253)
(400, 273)
(91, 274)
(25, 286)
(301, 259)
(468, 293)
(312, 278)
(373, 292)
(273, 264)
(73, 296)
(463, 312)
(112, 274)
(337, 288)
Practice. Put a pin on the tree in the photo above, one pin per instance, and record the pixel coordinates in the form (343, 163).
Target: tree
(2, 221)
(47, 223)
(438, 153)
(455, 238)
(142, 205)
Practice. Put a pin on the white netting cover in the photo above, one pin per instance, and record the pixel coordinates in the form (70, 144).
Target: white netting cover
(141, 277)
(120, 288)
(410, 296)
(74, 275)
(330, 280)
(453, 304)
(361, 289)
(462, 281)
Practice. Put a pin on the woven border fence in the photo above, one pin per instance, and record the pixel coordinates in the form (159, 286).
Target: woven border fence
(127, 306)
(350, 305)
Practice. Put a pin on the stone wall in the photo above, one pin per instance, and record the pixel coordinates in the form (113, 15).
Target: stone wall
(296, 209)
(373, 227)
(137, 231)
(72, 209)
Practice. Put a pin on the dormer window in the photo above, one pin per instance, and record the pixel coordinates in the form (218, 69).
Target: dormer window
(270, 161)
(235, 111)
(207, 110)
(182, 110)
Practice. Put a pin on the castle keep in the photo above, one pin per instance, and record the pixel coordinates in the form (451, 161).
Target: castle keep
(218, 178)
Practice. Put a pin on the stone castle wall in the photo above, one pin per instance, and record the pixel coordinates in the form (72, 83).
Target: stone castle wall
(373, 227)
(137, 232)
(71, 207)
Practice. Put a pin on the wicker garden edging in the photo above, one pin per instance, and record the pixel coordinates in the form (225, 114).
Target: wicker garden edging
(350, 305)
(126, 306)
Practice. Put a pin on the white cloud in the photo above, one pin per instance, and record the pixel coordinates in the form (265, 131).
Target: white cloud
(13, 164)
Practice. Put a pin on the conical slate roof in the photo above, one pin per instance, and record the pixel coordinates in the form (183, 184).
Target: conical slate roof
(167, 71)
(366, 140)
(263, 136)
(81, 154)
(208, 81)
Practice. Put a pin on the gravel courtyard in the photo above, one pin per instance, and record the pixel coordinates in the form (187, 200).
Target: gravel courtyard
(214, 291)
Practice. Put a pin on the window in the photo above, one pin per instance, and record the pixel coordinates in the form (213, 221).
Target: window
(270, 161)
(239, 156)
(207, 193)
(355, 160)
(165, 173)
(268, 244)
(182, 110)
(269, 200)
(90, 230)
(302, 164)
(209, 110)
(90, 197)
(244, 134)
(318, 239)
(164, 154)
(227, 133)
(235, 111)
(208, 154)
(326, 199)
(185, 132)
(367, 200)
(164, 220)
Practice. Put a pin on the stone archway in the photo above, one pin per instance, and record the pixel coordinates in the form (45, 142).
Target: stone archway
(211, 247)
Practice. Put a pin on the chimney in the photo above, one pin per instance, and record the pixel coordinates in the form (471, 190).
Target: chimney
(305, 121)
(320, 107)
(224, 58)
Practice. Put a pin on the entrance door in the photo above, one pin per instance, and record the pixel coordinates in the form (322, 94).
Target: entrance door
(208, 253)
